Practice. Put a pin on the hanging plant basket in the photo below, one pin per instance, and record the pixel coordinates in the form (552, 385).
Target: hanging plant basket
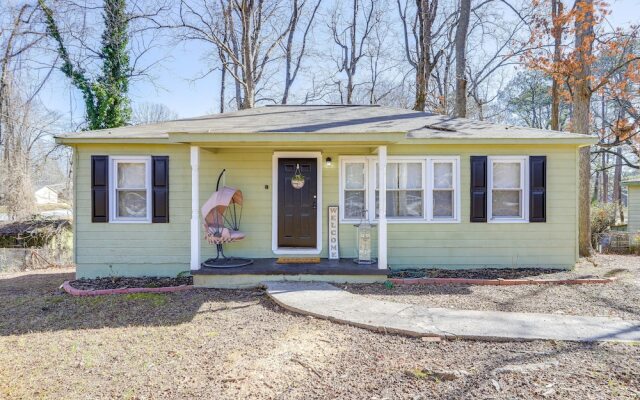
(297, 181)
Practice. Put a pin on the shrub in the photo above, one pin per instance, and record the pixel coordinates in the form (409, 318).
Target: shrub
(603, 217)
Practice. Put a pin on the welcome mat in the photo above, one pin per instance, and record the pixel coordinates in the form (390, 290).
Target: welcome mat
(298, 260)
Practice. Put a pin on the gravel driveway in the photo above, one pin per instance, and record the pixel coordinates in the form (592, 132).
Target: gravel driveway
(621, 298)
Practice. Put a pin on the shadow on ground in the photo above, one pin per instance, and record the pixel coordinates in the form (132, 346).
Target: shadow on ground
(35, 303)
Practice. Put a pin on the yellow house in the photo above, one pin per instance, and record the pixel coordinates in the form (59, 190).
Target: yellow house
(437, 192)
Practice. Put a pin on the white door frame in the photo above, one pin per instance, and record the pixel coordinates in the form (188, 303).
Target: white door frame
(274, 202)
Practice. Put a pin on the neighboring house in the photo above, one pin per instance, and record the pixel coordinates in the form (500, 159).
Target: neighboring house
(458, 193)
(46, 195)
(633, 204)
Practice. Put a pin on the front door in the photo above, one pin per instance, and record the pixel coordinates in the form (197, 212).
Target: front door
(297, 208)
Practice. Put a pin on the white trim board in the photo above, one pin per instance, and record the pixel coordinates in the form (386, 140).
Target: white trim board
(371, 165)
(274, 202)
(524, 184)
(113, 177)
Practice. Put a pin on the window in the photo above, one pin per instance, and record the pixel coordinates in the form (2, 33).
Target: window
(419, 189)
(130, 196)
(355, 190)
(405, 191)
(508, 200)
(443, 196)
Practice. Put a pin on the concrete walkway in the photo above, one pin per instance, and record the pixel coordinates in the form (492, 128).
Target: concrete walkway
(326, 301)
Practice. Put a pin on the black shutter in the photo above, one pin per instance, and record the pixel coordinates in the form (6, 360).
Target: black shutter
(160, 188)
(537, 189)
(99, 188)
(478, 188)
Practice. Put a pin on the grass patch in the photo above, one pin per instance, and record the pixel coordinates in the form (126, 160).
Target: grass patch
(615, 272)
(155, 299)
(418, 373)
(54, 299)
(92, 300)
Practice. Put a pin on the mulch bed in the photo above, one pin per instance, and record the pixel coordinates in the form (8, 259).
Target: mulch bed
(125, 283)
(486, 273)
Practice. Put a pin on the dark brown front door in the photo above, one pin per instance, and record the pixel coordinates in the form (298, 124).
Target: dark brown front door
(297, 207)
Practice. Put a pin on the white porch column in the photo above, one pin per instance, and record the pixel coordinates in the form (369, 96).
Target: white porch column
(382, 203)
(195, 208)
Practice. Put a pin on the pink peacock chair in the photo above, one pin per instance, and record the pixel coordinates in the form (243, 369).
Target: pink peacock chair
(222, 214)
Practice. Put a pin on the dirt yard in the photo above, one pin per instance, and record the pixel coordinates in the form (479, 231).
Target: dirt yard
(620, 299)
(216, 344)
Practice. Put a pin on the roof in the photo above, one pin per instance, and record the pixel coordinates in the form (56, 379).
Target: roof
(329, 120)
(56, 187)
(632, 181)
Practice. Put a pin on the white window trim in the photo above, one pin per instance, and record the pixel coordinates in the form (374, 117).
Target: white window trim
(370, 188)
(274, 203)
(374, 186)
(113, 176)
(524, 181)
(455, 161)
(341, 188)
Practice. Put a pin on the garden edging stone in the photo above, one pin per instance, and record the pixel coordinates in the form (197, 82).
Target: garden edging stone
(498, 282)
(66, 286)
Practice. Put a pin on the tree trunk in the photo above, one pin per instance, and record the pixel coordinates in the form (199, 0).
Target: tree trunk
(581, 99)
(249, 96)
(349, 88)
(605, 171)
(556, 12)
(223, 75)
(461, 58)
(596, 189)
(351, 68)
(617, 186)
(423, 70)
(605, 178)
(293, 24)
(421, 88)
(247, 58)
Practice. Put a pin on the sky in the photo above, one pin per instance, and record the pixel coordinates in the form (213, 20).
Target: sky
(174, 82)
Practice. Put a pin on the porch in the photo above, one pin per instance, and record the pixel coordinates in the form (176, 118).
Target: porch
(268, 270)
(258, 172)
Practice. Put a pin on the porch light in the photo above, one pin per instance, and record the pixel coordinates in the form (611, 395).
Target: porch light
(328, 161)
(363, 241)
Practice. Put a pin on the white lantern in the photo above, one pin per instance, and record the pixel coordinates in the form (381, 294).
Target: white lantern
(363, 241)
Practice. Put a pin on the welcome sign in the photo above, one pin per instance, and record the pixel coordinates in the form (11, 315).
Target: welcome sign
(333, 232)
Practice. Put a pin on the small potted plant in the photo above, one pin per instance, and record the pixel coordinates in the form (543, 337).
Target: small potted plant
(297, 181)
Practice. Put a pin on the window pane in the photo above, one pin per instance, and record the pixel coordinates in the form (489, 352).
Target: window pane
(354, 176)
(132, 203)
(506, 175)
(411, 176)
(506, 203)
(354, 204)
(392, 176)
(443, 203)
(131, 175)
(443, 175)
(402, 203)
(402, 176)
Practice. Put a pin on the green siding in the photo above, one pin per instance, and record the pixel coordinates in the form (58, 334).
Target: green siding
(163, 249)
(468, 244)
(104, 249)
(633, 205)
